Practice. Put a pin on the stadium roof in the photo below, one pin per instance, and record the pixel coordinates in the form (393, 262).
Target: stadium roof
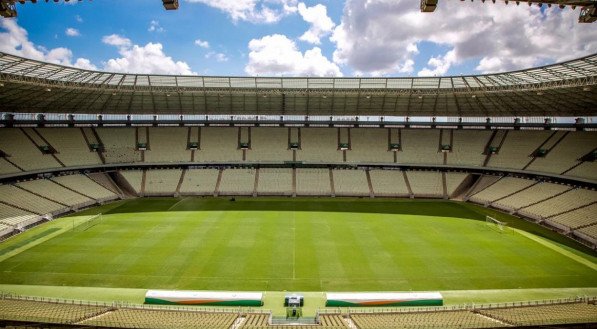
(564, 89)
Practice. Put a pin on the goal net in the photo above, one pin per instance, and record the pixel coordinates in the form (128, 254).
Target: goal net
(87, 223)
(495, 224)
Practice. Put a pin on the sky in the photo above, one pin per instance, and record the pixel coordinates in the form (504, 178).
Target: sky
(297, 38)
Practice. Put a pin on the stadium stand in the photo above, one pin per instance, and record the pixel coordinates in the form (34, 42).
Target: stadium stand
(319, 145)
(453, 181)
(420, 146)
(369, 145)
(468, 147)
(502, 188)
(350, 183)
(388, 183)
(155, 318)
(52, 191)
(274, 181)
(105, 181)
(517, 148)
(167, 144)
(85, 186)
(119, 145)
(531, 195)
(313, 182)
(23, 152)
(20, 198)
(269, 145)
(162, 181)
(35, 311)
(577, 312)
(134, 178)
(199, 182)
(588, 232)
(587, 169)
(71, 148)
(5, 230)
(562, 203)
(580, 217)
(439, 319)
(7, 168)
(252, 321)
(237, 182)
(426, 183)
(219, 145)
(15, 217)
(566, 153)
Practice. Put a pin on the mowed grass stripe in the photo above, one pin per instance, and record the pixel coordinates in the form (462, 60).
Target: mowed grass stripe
(296, 244)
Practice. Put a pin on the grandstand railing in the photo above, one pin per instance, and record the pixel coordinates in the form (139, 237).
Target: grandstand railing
(462, 307)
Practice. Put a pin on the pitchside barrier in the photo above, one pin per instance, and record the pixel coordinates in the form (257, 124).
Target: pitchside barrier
(216, 298)
(375, 299)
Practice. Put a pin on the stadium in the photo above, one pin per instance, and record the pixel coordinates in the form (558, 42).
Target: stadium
(133, 200)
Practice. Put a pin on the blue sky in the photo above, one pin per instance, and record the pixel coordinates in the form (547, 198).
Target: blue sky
(267, 37)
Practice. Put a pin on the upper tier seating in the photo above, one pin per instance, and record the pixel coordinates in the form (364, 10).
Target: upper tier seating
(420, 146)
(369, 145)
(269, 145)
(162, 181)
(426, 183)
(468, 147)
(85, 186)
(565, 154)
(7, 168)
(55, 192)
(586, 170)
(388, 183)
(168, 144)
(15, 196)
(502, 188)
(70, 146)
(350, 182)
(219, 144)
(23, 152)
(199, 182)
(119, 144)
(313, 182)
(274, 181)
(237, 182)
(319, 145)
(517, 149)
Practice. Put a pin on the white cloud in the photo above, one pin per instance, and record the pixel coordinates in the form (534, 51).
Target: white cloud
(278, 55)
(154, 26)
(321, 23)
(220, 57)
(116, 40)
(256, 11)
(72, 32)
(381, 37)
(15, 40)
(142, 59)
(202, 43)
(79, 19)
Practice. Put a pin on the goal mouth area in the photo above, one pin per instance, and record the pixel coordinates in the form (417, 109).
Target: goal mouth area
(496, 225)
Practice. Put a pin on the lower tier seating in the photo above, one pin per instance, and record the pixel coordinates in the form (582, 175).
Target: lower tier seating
(237, 182)
(199, 182)
(162, 181)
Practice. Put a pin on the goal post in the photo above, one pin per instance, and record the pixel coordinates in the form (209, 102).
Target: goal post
(87, 223)
(495, 224)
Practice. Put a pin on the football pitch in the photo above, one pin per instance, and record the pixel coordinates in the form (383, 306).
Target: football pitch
(283, 244)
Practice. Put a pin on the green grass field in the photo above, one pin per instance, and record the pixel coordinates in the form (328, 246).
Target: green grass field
(278, 244)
